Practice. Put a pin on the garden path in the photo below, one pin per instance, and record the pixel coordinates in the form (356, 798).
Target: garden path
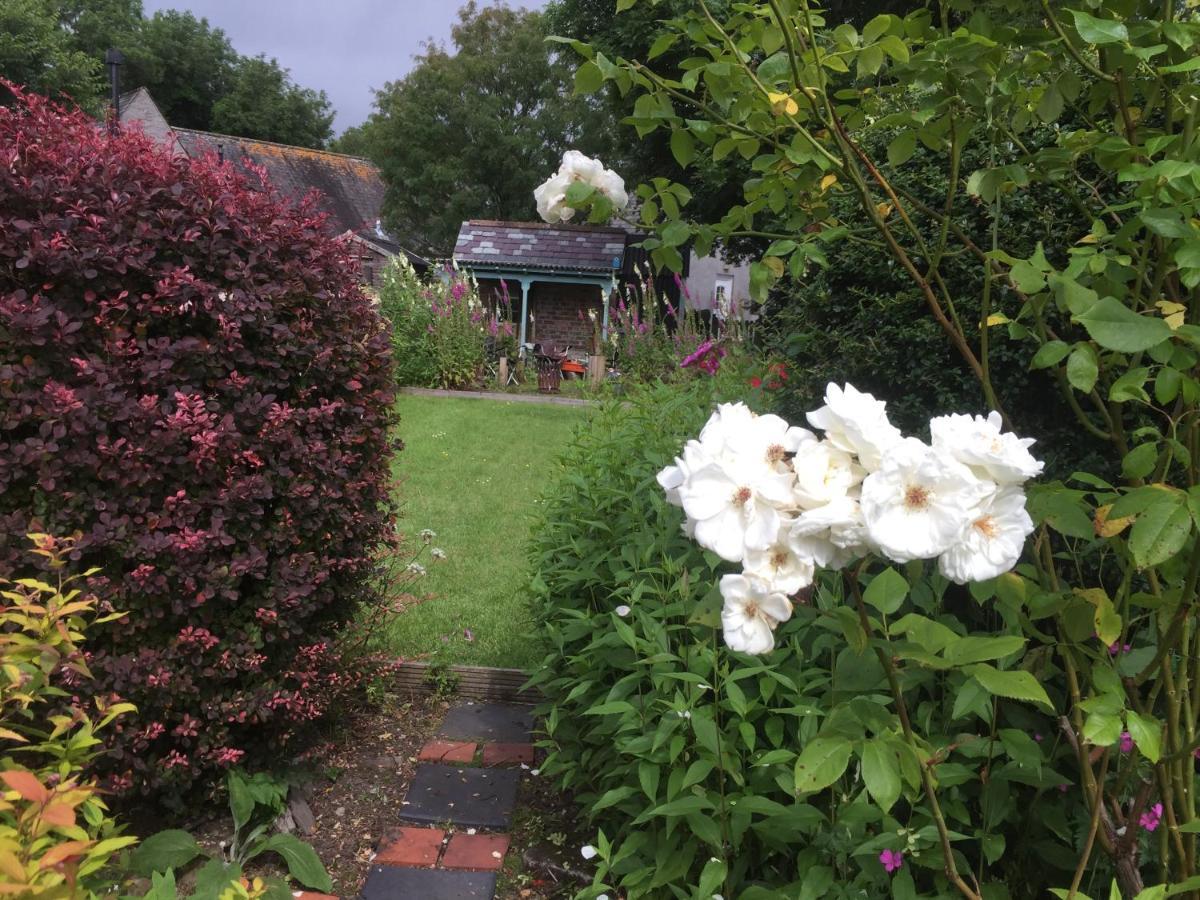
(457, 811)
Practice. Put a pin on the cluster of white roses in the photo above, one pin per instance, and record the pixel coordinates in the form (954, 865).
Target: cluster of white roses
(551, 195)
(783, 502)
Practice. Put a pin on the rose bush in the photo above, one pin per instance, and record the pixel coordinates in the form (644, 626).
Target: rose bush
(191, 377)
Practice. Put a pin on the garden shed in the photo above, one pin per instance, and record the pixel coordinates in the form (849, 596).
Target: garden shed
(554, 274)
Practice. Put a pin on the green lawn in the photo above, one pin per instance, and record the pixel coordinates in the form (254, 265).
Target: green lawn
(471, 470)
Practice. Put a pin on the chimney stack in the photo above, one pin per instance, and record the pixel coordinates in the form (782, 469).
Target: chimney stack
(114, 59)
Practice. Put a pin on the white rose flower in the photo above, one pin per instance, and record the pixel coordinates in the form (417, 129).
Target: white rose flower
(729, 511)
(920, 501)
(578, 166)
(824, 473)
(993, 541)
(857, 423)
(752, 612)
(981, 444)
(551, 199)
(830, 535)
(670, 478)
(612, 186)
(781, 567)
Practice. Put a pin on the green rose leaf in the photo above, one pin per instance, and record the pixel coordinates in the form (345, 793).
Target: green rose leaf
(1146, 732)
(1161, 530)
(1099, 31)
(887, 591)
(881, 773)
(1083, 368)
(821, 764)
(1115, 326)
(170, 849)
(1015, 685)
(302, 861)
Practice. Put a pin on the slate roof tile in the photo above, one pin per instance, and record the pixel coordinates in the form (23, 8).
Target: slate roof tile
(538, 245)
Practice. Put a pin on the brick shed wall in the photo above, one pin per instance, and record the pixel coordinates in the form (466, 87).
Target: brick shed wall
(560, 313)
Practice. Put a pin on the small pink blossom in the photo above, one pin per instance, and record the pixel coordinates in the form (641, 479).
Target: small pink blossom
(892, 860)
(1117, 647)
(1126, 742)
(1151, 817)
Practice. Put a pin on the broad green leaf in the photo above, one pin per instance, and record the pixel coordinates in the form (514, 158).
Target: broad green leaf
(1146, 732)
(887, 591)
(1050, 354)
(588, 78)
(214, 877)
(1102, 729)
(1107, 620)
(171, 849)
(1130, 386)
(821, 763)
(881, 773)
(683, 147)
(302, 861)
(241, 801)
(162, 886)
(1099, 31)
(1083, 368)
(1161, 530)
(981, 649)
(712, 877)
(902, 147)
(1115, 326)
(1015, 685)
(1139, 462)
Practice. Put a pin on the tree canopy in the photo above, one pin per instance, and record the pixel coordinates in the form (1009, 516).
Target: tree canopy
(471, 130)
(190, 67)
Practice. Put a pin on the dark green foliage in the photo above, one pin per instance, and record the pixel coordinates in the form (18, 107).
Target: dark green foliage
(863, 321)
(470, 134)
(263, 102)
(195, 75)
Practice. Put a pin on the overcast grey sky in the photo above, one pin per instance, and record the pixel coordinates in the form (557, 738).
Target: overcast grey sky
(345, 47)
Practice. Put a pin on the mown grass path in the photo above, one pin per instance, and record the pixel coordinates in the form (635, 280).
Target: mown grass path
(472, 471)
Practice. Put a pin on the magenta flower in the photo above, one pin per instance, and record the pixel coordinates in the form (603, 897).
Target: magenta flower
(706, 357)
(457, 290)
(892, 860)
(1117, 647)
(1126, 742)
(1151, 817)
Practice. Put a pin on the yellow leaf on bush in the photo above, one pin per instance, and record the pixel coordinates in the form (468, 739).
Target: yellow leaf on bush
(11, 868)
(828, 181)
(884, 209)
(783, 104)
(1175, 314)
(60, 852)
(775, 264)
(997, 319)
(1106, 527)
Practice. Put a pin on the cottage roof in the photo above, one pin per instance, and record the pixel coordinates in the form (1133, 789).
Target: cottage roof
(540, 246)
(351, 189)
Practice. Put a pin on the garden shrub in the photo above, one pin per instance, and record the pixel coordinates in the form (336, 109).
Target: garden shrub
(191, 377)
(686, 756)
(439, 326)
(57, 837)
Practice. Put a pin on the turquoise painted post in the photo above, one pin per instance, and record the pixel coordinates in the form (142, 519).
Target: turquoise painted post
(524, 314)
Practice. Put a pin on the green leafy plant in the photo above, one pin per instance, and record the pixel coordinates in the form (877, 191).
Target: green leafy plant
(57, 837)
(1036, 732)
(255, 802)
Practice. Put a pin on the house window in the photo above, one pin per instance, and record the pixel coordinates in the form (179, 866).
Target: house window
(723, 295)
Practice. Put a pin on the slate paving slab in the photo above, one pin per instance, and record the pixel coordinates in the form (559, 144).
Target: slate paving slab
(392, 883)
(500, 722)
(483, 798)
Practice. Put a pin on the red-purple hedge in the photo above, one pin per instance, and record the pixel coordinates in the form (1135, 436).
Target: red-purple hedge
(192, 378)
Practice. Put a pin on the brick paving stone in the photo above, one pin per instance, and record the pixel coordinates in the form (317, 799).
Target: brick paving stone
(411, 847)
(483, 798)
(501, 722)
(394, 883)
(507, 754)
(475, 851)
(448, 752)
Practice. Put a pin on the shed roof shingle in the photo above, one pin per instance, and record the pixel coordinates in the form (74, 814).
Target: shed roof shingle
(537, 245)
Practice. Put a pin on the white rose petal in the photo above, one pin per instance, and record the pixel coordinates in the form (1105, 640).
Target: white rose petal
(781, 567)
(981, 444)
(824, 473)
(730, 512)
(752, 612)
(587, 851)
(993, 542)
(920, 501)
(622, 610)
(857, 423)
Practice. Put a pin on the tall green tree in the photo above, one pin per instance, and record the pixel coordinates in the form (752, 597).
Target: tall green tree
(187, 65)
(263, 102)
(469, 133)
(35, 51)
